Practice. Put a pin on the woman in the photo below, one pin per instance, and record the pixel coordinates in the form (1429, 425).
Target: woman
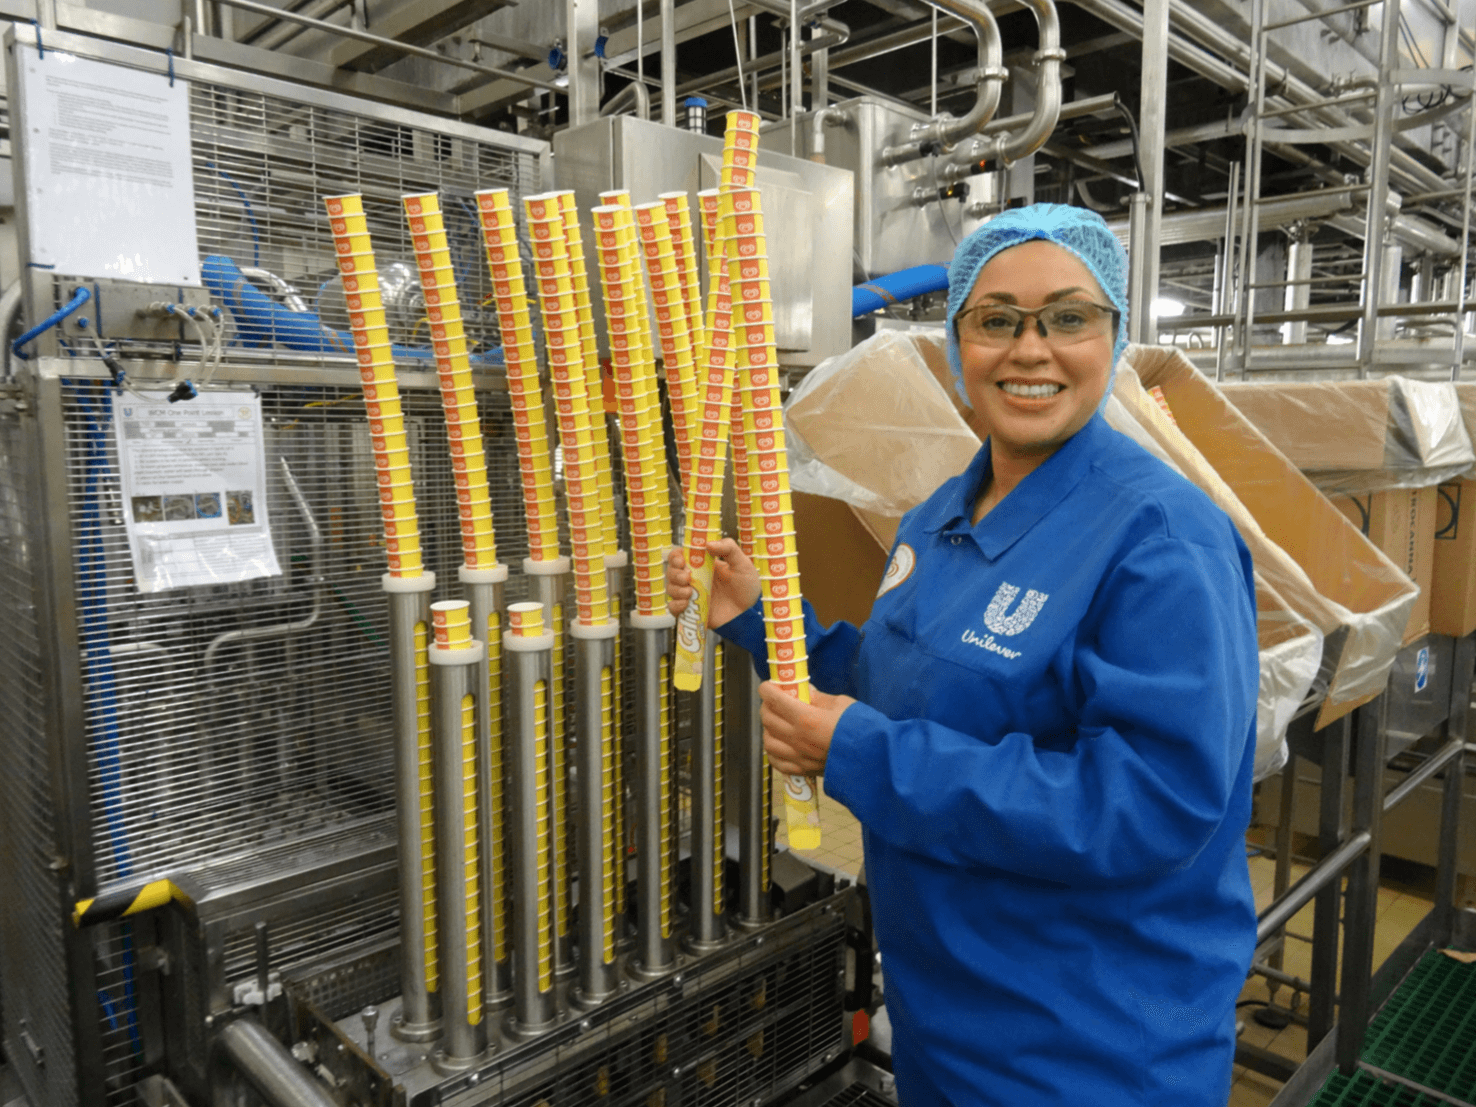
(1046, 727)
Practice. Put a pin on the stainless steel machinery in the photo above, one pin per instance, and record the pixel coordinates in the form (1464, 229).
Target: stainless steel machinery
(212, 767)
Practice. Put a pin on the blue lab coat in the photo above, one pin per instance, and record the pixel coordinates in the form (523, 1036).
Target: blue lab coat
(1051, 762)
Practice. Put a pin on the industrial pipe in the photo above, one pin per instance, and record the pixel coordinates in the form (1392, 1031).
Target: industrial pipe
(668, 63)
(483, 588)
(655, 780)
(529, 660)
(550, 581)
(596, 721)
(636, 93)
(705, 914)
(269, 1068)
(1005, 147)
(409, 639)
(892, 288)
(944, 130)
(754, 788)
(458, 701)
(819, 120)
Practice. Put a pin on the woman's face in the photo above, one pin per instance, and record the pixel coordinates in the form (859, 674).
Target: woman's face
(1033, 396)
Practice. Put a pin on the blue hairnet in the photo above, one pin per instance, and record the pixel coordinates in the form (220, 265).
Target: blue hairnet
(1079, 230)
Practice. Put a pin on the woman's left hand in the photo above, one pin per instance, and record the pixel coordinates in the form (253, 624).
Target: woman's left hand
(797, 735)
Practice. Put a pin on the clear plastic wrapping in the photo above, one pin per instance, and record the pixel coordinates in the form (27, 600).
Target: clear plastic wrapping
(874, 428)
(1362, 436)
(1303, 547)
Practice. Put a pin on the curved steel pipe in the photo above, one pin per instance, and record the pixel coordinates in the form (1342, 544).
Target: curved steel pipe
(635, 92)
(269, 1068)
(946, 130)
(1006, 147)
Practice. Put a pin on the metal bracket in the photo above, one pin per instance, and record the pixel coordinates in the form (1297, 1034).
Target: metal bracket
(119, 311)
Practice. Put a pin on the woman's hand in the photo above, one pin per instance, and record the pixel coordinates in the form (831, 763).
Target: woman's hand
(797, 735)
(735, 582)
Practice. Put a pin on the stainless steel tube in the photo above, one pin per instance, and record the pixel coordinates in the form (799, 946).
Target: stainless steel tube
(599, 844)
(668, 63)
(1373, 241)
(529, 752)
(655, 794)
(458, 893)
(483, 588)
(409, 637)
(944, 130)
(615, 566)
(278, 1077)
(746, 743)
(705, 914)
(550, 580)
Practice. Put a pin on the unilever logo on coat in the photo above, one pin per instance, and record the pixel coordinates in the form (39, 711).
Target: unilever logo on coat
(997, 618)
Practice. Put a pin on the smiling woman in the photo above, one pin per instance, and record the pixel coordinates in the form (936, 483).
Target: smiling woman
(1046, 727)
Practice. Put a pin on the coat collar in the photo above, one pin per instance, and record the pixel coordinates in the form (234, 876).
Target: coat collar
(1029, 502)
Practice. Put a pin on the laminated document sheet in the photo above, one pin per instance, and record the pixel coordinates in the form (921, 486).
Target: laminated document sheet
(193, 477)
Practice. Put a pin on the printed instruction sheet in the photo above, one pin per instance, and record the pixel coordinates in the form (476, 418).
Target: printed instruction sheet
(193, 476)
(109, 186)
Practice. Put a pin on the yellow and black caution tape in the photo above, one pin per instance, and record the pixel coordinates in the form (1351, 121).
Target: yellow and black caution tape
(129, 901)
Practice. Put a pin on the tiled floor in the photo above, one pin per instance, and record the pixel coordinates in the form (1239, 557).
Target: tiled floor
(1404, 899)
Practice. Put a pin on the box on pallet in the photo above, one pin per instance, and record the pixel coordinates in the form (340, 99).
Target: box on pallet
(1361, 436)
(1453, 583)
(1401, 522)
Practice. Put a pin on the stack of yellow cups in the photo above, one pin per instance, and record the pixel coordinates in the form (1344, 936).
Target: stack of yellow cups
(679, 218)
(451, 621)
(704, 493)
(572, 403)
(525, 393)
(673, 325)
(377, 376)
(525, 620)
(458, 401)
(743, 242)
(593, 378)
(647, 498)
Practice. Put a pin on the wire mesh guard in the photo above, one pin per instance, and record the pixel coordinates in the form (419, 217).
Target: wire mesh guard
(730, 1039)
(205, 745)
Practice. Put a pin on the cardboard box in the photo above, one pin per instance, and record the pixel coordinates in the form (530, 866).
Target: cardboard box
(1361, 436)
(1402, 523)
(1453, 584)
(1339, 580)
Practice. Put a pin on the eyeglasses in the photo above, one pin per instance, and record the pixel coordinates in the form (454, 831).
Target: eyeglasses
(1064, 323)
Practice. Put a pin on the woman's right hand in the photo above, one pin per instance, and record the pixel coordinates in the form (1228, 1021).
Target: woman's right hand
(735, 582)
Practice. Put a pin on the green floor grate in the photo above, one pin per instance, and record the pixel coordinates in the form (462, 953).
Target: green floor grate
(1427, 1030)
(1363, 1090)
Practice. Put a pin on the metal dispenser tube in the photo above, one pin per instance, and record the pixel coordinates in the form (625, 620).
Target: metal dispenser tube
(459, 898)
(529, 765)
(654, 794)
(550, 582)
(597, 724)
(746, 741)
(483, 588)
(705, 919)
(409, 635)
(615, 565)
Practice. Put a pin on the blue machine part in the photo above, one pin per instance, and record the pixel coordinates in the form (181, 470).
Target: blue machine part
(261, 321)
(896, 287)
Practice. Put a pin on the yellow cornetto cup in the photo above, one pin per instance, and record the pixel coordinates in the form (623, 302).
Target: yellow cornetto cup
(451, 621)
(525, 620)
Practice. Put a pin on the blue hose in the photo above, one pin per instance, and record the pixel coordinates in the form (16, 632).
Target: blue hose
(79, 297)
(897, 287)
(250, 212)
(261, 321)
(102, 686)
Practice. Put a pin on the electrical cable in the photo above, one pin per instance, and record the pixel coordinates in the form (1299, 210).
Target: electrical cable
(79, 297)
(1132, 123)
(738, 56)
